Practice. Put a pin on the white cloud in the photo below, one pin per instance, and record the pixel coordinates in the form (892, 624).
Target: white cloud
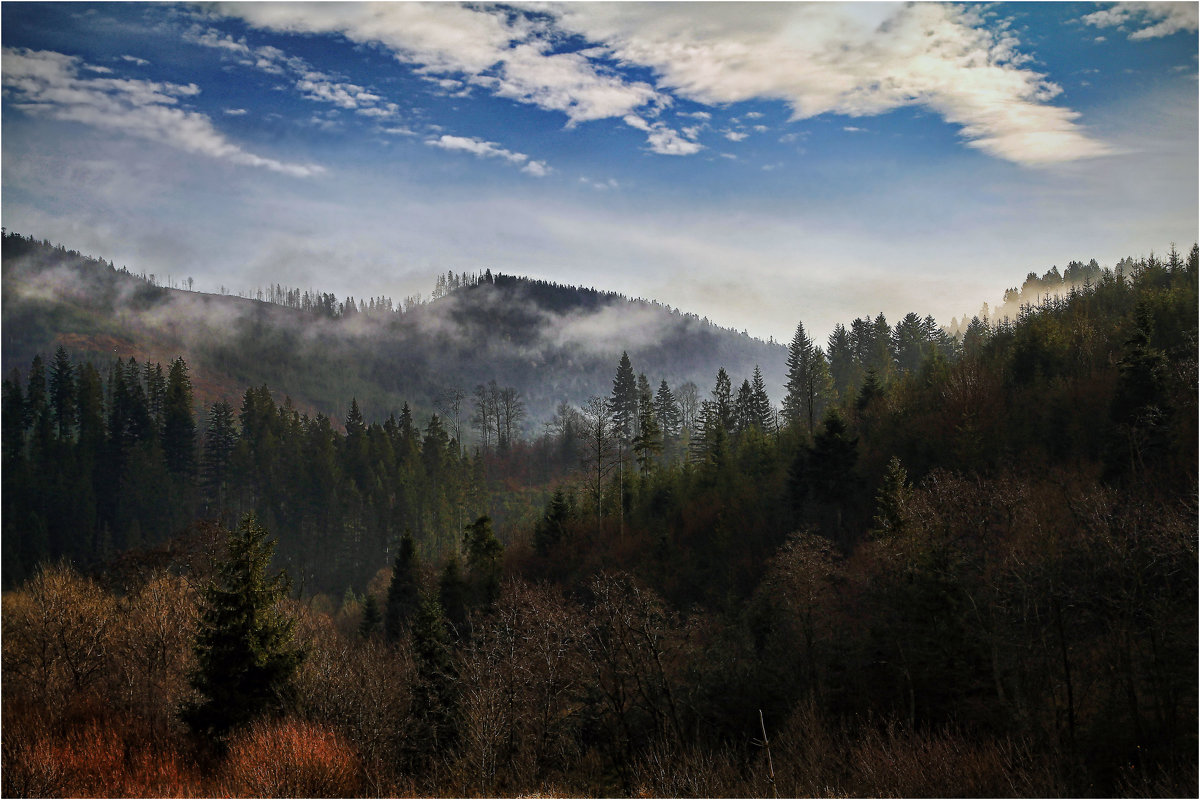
(735, 136)
(311, 83)
(478, 147)
(662, 139)
(48, 84)
(141, 62)
(853, 59)
(485, 149)
(505, 53)
(537, 169)
(1153, 20)
(235, 112)
(853, 129)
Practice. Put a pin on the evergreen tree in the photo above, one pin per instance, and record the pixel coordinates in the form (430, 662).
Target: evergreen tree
(551, 528)
(435, 698)
(483, 551)
(624, 400)
(843, 369)
(220, 440)
(404, 591)
(892, 499)
(452, 592)
(871, 389)
(743, 409)
(245, 656)
(666, 408)
(371, 618)
(648, 442)
(179, 428)
(722, 401)
(761, 402)
(799, 361)
(831, 464)
(62, 393)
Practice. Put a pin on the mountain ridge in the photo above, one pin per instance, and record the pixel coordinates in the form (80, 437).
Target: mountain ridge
(553, 343)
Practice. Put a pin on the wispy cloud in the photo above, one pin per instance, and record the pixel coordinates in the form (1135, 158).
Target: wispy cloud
(1150, 20)
(47, 83)
(312, 84)
(485, 149)
(141, 62)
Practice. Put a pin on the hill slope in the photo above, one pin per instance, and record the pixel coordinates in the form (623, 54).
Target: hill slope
(552, 343)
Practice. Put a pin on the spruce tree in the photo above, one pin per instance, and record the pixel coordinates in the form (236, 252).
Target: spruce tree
(179, 428)
(666, 408)
(245, 656)
(624, 402)
(404, 592)
(798, 363)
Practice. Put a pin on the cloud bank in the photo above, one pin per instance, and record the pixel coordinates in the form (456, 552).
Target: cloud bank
(46, 83)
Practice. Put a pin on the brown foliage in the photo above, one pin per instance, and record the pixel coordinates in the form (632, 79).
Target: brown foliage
(289, 758)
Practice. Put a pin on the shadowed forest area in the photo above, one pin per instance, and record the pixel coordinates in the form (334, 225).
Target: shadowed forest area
(950, 562)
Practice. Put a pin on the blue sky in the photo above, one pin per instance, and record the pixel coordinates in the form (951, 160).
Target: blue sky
(759, 164)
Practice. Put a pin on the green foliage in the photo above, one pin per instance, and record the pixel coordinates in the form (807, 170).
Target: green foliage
(245, 655)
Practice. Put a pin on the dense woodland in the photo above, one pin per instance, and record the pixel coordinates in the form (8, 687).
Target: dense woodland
(950, 562)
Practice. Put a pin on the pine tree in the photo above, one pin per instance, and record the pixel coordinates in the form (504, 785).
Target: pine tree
(245, 656)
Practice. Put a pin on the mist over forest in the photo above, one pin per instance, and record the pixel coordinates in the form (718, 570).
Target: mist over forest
(523, 536)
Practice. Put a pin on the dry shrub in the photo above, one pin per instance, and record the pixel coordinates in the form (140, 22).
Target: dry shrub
(669, 770)
(289, 758)
(93, 758)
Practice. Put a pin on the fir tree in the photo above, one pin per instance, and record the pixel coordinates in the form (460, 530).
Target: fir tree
(245, 656)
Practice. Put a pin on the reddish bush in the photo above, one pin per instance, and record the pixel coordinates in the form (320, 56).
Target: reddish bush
(289, 758)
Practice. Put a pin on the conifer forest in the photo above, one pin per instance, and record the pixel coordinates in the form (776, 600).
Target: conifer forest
(906, 560)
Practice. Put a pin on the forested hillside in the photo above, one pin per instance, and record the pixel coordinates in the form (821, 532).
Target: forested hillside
(550, 343)
(941, 565)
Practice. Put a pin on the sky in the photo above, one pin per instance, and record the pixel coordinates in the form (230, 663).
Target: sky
(757, 164)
